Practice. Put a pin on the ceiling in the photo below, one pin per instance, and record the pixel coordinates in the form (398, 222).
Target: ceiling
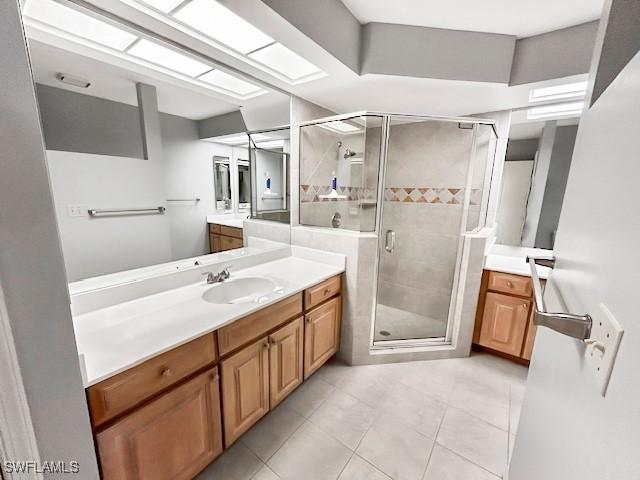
(521, 18)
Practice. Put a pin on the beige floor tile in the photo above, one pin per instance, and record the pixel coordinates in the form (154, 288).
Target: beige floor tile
(477, 441)
(446, 465)
(396, 449)
(487, 401)
(360, 469)
(368, 384)
(344, 417)
(268, 435)
(310, 454)
(265, 473)
(333, 371)
(308, 396)
(435, 379)
(237, 463)
(423, 412)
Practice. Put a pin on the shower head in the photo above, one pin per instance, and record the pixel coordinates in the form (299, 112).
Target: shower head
(348, 153)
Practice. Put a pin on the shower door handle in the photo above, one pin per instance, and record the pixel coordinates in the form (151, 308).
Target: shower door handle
(390, 241)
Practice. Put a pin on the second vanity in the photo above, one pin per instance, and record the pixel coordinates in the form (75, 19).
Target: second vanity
(174, 378)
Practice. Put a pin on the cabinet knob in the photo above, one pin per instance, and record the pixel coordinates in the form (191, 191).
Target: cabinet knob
(509, 284)
(265, 345)
(524, 305)
(214, 377)
(327, 291)
(165, 372)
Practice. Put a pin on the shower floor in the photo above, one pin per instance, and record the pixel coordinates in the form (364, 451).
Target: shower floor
(397, 324)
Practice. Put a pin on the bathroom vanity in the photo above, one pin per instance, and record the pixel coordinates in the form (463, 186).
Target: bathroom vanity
(225, 236)
(183, 374)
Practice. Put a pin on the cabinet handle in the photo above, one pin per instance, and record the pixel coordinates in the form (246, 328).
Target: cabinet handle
(509, 284)
(214, 377)
(266, 345)
(165, 372)
(308, 319)
(524, 305)
(327, 291)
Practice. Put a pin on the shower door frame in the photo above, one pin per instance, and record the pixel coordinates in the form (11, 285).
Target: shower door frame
(454, 304)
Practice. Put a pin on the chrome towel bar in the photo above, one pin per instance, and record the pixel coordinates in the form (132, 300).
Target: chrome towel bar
(94, 212)
(196, 199)
(576, 326)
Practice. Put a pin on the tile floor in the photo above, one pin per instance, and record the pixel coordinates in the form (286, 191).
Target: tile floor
(438, 420)
(401, 324)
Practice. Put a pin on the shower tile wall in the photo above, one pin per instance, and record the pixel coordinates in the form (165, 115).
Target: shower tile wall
(424, 193)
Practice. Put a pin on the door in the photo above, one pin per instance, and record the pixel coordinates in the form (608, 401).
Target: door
(568, 430)
(245, 389)
(171, 438)
(504, 322)
(428, 202)
(286, 360)
(321, 334)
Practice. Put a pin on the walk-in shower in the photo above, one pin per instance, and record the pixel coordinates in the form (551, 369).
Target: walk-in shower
(419, 184)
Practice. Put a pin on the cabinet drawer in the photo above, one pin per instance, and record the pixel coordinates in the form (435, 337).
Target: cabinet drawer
(214, 228)
(171, 438)
(124, 391)
(229, 243)
(316, 295)
(257, 324)
(508, 283)
(230, 231)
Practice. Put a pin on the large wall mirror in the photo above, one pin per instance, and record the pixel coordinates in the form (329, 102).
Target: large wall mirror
(146, 145)
(535, 174)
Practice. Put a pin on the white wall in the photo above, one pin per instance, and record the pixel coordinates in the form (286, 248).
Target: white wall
(568, 431)
(516, 182)
(94, 246)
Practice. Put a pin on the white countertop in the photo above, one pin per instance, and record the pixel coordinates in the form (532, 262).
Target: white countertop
(510, 259)
(228, 221)
(113, 339)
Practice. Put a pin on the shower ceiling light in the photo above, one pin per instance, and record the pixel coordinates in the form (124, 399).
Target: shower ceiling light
(280, 59)
(559, 92)
(221, 24)
(558, 110)
(168, 58)
(229, 82)
(76, 23)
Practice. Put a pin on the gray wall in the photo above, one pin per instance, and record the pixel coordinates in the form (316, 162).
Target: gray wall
(74, 122)
(618, 41)
(32, 271)
(556, 54)
(436, 53)
(225, 124)
(522, 149)
(555, 187)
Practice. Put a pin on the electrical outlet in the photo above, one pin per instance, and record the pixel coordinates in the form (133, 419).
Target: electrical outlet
(602, 346)
(77, 211)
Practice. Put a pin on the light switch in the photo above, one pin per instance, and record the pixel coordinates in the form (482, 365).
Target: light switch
(602, 346)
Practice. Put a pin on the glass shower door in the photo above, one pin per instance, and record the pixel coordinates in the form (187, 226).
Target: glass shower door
(422, 218)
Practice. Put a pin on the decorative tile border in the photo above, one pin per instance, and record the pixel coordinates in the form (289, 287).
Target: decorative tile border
(427, 195)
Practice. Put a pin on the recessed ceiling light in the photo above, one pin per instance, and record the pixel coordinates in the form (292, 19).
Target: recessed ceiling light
(340, 127)
(221, 79)
(84, 26)
(163, 5)
(279, 58)
(559, 92)
(558, 110)
(168, 58)
(221, 24)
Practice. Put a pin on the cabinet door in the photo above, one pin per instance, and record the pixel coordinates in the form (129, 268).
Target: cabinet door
(229, 243)
(321, 334)
(286, 360)
(245, 389)
(527, 348)
(504, 322)
(171, 438)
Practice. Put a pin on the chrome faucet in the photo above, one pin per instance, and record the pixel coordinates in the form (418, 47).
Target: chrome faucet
(218, 277)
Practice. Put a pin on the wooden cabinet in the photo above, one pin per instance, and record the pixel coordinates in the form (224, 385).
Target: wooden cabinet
(120, 393)
(286, 360)
(504, 319)
(504, 323)
(319, 293)
(322, 334)
(245, 389)
(171, 438)
(222, 237)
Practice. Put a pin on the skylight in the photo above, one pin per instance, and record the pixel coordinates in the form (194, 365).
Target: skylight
(279, 58)
(165, 57)
(241, 139)
(557, 110)
(559, 92)
(221, 24)
(164, 6)
(340, 127)
(72, 21)
(229, 82)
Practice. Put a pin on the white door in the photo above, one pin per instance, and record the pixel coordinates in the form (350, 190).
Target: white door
(567, 429)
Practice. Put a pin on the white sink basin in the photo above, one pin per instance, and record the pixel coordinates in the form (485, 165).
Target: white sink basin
(240, 290)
